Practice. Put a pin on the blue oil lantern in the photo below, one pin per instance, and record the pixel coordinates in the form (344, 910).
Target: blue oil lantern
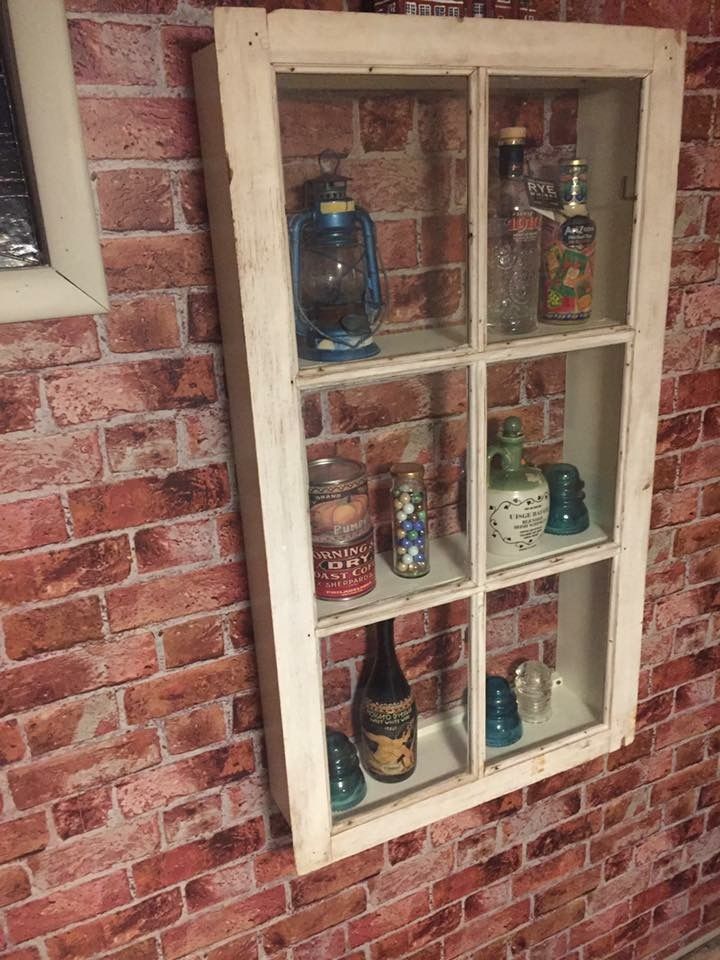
(335, 275)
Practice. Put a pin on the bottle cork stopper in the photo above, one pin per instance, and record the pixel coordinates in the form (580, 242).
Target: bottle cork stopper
(513, 134)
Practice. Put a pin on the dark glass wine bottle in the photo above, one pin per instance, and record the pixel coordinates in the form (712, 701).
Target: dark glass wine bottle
(388, 716)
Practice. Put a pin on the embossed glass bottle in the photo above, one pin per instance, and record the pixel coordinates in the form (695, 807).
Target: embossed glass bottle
(513, 244)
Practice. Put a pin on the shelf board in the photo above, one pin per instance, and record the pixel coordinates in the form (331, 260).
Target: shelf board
(408, 351)
(442, 755)
(570, 717)
(550, 338)
(394, 595)
(548, 546)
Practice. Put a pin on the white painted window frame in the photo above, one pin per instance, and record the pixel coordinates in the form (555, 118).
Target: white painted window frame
(73, 281)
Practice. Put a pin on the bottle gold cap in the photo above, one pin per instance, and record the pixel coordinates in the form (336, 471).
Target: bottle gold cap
(513, 134)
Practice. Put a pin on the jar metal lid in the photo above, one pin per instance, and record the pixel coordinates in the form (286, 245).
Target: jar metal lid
(407, 469)
(513, 135)
(331, 470)
(574, 163)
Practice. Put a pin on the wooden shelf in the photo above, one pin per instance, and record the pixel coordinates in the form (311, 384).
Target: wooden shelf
(570, 717)
(547, 547)
(393, 595)
(442, 755)
(407, 352)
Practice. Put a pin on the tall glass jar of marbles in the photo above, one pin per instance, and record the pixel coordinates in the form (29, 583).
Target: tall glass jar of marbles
(410, 541)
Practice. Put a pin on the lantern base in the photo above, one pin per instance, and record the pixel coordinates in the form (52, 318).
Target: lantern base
(330, 351)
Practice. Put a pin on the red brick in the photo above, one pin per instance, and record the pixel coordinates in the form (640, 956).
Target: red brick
(274, 864)
(167, 598)
(176, 691)
(201, 727)
(19, 402)
(146, 323)
(564, 918)
(208, 434)
(665, 478)
(712, 217)
(697, 536)
(699, 167)
(162, 262)
(147, 950)
(245, 948)
(673, 507)
(224, 883)
(156, 788)
(189, 642)
(536, 817)
(135, 199)
(14, 885)
(685, 606)
(247, 713)
(96, 665)
(12, 745)
(22, 836)
(179, 43)
(676, 433)
(52, 628)
(397, 243)
(314, 919)
(700, 464)
(423, 931)
(137, 128)
(94, 853)
(192, 197)
(385, 121)
(466, 881)
(452, 827)
(569, 889)
(188, 820)
(157, 548)
(173, 866)
(569, 832)
(116, 929)
(442, 122)
(203, 320)
(331, 943)
(396, 184)
(48, 343)
(234, 918)
(68, 906)
(694, 262)
(306, 121)
(419, 296)
(686, 779)
(363, 408)
(675, 672)
(31, 523)
(486, 928)
(409, 874)
(339, 876)
(46, 576)
(701, 305)
(94, 393)
(704, 567)
(61, 458)
(137, 446)
(698, 389)
(83, 812)
(142, 500)
(563, 119)
(229, 534)
(443, 239)
(58, 726)
(113, 53)
(58, 776)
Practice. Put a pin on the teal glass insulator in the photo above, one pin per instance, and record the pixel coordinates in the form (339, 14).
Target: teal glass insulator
(503, 725)
(347, 783)
(568, 513)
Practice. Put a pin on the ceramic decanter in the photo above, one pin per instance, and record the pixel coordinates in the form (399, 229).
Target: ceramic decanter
(518, 497)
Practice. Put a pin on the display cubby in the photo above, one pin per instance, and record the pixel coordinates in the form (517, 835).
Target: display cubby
(415, 104)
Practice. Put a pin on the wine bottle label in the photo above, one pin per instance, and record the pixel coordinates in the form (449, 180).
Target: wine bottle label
(389, 737)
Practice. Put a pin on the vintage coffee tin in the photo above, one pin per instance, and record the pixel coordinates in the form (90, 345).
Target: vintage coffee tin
(342, 533)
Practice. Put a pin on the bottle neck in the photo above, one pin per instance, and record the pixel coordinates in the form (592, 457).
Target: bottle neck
(385, 657)
(512, 161)
(513, 451)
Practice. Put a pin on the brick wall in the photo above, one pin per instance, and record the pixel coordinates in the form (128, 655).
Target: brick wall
(136, 822)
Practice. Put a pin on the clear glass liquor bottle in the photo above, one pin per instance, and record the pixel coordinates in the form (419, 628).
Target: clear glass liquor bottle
(513, 243)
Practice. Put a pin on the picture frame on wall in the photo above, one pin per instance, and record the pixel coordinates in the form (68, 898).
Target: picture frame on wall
(66, 277)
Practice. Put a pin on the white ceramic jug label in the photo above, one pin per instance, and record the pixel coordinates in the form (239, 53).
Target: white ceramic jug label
(516, 524)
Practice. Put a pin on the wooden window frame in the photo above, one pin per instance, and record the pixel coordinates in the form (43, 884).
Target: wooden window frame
(72, 282)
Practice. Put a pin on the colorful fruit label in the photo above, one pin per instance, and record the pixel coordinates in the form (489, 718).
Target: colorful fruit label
(389, 737)
(568, 255)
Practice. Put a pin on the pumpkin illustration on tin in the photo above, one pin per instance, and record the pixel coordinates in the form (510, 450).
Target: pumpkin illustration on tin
(343, 519)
